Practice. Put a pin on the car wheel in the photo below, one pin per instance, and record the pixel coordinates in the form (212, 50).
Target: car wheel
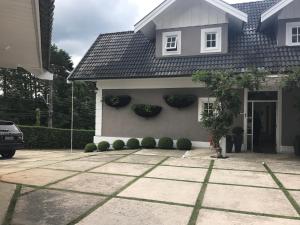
(8, 154)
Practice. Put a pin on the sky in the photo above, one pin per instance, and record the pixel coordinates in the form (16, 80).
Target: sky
(77, 23)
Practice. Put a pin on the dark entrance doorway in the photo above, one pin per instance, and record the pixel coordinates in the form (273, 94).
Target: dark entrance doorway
(264, 127)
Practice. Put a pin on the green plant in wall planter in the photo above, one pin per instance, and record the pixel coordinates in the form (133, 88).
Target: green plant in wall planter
(147, 111)
(117, 101)
(180, 101)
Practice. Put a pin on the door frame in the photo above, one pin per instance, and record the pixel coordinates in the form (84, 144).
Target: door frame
(278, 117)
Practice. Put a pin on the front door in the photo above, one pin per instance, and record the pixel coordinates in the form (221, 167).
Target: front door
(261, 122)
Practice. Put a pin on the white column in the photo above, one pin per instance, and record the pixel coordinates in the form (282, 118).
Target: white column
(98, 131)
(245, 119)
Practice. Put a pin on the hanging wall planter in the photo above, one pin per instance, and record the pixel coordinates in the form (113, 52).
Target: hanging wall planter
(146, 111)
(180, 101)
(117, 101)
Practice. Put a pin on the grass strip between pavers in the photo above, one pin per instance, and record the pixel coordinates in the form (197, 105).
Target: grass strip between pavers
(284, 190)
(12, 205)
(115, 194)
(200, 198)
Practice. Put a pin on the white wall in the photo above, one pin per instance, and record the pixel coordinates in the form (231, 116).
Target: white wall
(190, 13)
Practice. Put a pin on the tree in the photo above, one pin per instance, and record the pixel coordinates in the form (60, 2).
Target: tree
(224, 88)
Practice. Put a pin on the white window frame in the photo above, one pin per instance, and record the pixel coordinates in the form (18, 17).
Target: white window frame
(165, 36)
(201, 102)
(289, 30)
(203, 44)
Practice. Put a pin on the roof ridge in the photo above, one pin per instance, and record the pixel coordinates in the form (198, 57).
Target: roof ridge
(117, 33)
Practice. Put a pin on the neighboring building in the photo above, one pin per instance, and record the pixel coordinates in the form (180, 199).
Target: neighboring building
(25, 38)
(179, 38)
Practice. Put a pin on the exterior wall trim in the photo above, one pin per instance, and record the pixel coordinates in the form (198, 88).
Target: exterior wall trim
(97, 139)
(276, 8)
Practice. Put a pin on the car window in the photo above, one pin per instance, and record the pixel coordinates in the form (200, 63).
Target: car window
(8, 128)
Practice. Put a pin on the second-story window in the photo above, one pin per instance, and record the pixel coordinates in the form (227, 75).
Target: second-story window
(211, 40)
(293, 34)
(171, 43)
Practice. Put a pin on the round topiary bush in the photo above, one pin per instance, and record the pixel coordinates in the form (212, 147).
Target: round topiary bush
(103, 146)
(90, 147)
(117, 101)
(146, 111)
(184, 144)
(180, 101)
(148, 143)
(118, 145)
(165, 143)
(133, 143)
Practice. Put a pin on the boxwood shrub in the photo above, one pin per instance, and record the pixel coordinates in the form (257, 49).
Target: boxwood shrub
(103, 146)
(118, 145)
(184, 144)
(133, 143)
(148, 143)
(165, 143)
(91, 147)
(52, 138)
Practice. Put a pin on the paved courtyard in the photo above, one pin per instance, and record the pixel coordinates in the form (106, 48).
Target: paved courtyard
(151, 187)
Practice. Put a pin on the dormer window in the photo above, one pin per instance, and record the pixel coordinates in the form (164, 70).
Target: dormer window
(171, 43)
(211, 40)
(293, 34)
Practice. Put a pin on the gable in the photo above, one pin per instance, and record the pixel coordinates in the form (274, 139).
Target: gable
(190, 13)
(291, 11)
(275, 9)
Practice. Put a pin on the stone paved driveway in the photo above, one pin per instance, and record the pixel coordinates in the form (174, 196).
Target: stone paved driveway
(150, 187)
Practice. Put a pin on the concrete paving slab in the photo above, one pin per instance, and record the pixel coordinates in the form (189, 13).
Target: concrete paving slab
(26, 190)
(296, 196)
(122, 152)
(188, 162)
(75, 165)
(179, 173)
(209, 217)
(239, 165)
(131, 212)
(289, 181)
(284, 168)
(8, 162)
(94, 183)
(142, 159)
(52, 207)
(101, 158)
(159, 152)
(39, 177)
(123, 168)
(10, 169)
(259, 200)
(6, 193)
(242, 178)
(35, 164)
(163, 190)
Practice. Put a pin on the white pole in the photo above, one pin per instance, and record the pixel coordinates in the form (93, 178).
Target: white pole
(72, 117)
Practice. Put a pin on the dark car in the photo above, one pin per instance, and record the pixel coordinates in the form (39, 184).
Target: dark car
(11, 139)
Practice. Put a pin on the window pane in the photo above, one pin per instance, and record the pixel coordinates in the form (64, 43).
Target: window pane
(294, 30)
(213, 36)
(168, 45)
(208, 37)
(173, 39)
(213, 44)
(294, 39)
(298, 38)
(208, 44)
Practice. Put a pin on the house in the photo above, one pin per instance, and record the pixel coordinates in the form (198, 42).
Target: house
(179, 38)
(25, 38)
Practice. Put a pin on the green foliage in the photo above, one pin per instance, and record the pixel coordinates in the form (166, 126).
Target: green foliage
(148, 143)
(146, 111)
(118, 145)
(91, 147)
(133, 143)
(48, 138)
(292, 80)
(224, 87)
(117, 101)
(180, 101)
(184, 144)
(103, 146)
(165, 143)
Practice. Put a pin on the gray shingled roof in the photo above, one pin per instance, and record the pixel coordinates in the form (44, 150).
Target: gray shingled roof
(126, 55)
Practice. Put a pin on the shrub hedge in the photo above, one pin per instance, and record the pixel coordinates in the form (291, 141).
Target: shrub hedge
(118, 145)
(184, 144)
(91, 147)
(103, 146)
(133, 143)
(117, 101)
(165, 143)
(148, 143)
(52, 138)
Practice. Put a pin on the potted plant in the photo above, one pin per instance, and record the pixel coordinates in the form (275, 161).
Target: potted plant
(238, 138)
